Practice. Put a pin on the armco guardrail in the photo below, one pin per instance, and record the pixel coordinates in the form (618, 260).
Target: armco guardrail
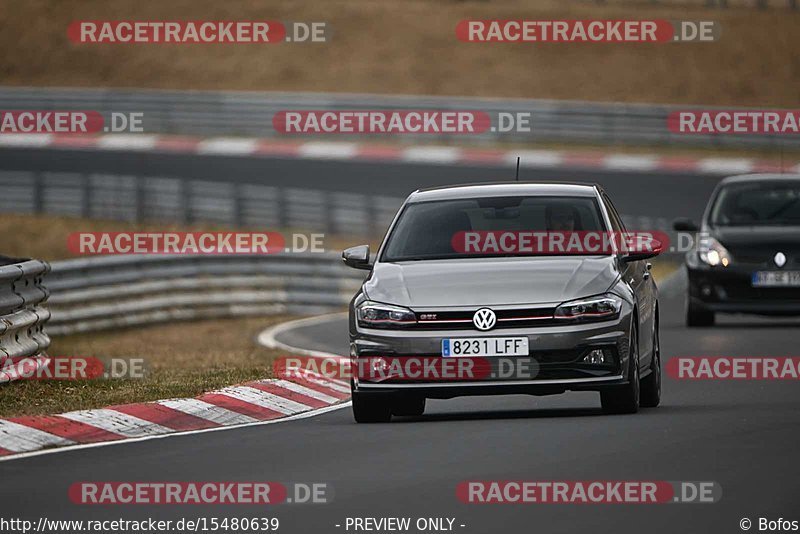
(121, 291)
(251, 113)
(184, 201)
(23, 340)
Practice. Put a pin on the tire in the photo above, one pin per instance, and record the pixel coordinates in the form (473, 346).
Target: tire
(625, 399)
(651, 384)
(409, 406)
(371, 408)
(698, 316)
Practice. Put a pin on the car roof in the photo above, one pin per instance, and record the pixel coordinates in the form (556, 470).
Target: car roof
(754, 178)
(502, 189)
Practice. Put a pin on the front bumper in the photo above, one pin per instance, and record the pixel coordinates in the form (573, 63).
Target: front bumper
(730, 290)
(553, 364)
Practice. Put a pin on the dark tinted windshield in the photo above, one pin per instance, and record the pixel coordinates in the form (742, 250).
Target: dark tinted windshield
(425, 230)
(756, 204)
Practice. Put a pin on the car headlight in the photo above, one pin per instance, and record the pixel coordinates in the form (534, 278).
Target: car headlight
(377, 315)
(599, 308)
(711, 252)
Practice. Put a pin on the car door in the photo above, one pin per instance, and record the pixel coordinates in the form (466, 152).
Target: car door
(637, 275)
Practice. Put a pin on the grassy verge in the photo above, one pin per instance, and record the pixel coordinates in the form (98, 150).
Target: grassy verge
(181, 360)
(392, 46)
(45, 236)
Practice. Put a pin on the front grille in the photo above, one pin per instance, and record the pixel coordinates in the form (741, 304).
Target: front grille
(462, 320)
(763, 257)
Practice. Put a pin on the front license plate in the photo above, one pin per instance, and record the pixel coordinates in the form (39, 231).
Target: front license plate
(776, 279)
(485, 346)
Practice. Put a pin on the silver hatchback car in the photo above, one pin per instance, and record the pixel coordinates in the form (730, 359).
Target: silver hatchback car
(458, 303)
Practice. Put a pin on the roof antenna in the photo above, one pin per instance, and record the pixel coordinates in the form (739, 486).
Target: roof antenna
(518, 168)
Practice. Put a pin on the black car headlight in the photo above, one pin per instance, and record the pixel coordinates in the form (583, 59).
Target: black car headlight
(377, 315)
(599, 308)
(711, 252)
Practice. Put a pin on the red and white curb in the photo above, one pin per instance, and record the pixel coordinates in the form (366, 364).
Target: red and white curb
(253, 403)
(436, 155)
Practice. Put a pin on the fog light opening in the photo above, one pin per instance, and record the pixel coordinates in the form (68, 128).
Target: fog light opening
(597, 357)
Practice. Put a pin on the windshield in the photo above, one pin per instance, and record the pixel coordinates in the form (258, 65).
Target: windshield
(757, 204)
(426, 230)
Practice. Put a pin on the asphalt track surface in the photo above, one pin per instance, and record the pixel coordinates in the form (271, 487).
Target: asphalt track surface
(741, 434)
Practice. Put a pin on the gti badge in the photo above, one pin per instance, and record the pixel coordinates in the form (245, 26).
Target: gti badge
(780, 259)
(484, 319)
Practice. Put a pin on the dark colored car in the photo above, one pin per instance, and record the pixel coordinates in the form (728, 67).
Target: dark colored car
(584, 321)
(747, 254)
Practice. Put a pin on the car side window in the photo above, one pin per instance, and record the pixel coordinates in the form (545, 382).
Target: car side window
(616, 221)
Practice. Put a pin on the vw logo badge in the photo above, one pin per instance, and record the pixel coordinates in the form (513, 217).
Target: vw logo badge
(780, 259)
(484, 319)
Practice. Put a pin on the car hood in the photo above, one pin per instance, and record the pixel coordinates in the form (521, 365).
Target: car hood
(489, 282)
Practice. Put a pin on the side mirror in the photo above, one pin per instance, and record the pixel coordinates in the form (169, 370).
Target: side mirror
(684, 225)
(357, 257)
(638, 256)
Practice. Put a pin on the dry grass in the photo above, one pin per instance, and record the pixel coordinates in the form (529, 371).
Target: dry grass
(740, 4)
(386, 46)
(45, 236)
(181, 360)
